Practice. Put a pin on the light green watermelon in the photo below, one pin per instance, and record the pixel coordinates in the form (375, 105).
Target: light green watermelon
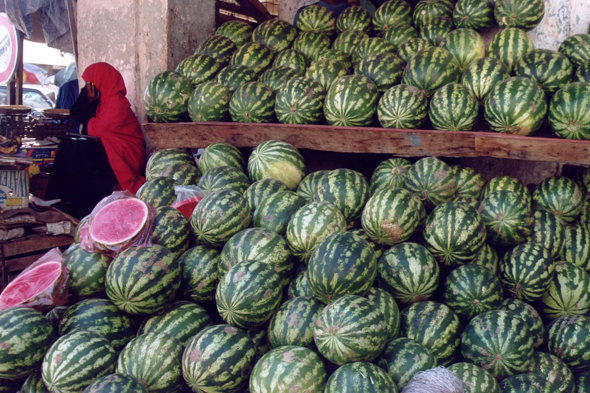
(277, 160)
(466, 46)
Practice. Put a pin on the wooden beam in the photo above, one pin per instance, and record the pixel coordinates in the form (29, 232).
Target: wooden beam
(230, 7)
(254, 9)
(35, 243)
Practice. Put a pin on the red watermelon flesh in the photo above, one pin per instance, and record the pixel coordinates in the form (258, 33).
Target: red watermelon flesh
(119, 221)
(187, 206)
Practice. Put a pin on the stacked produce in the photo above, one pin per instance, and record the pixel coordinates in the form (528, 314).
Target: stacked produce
(399, 68)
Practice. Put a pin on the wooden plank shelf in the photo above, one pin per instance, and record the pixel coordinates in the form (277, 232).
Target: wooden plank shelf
(403, 143)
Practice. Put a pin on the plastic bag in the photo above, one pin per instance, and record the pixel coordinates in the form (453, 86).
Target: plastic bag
(41, 286)
(187, 198)
(118, 222)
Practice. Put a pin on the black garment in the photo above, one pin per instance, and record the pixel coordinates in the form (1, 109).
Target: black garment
(82, 111)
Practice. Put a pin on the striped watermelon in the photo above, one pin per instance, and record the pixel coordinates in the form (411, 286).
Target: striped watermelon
(310, 225)
(435, 326)
(159, 374)
(402, 106)
(26, 336)
(499, 342)
(99, 316)
(326, 71)
(435, 31)
(335, 54)
(276, 34)
(507, 183)
(316, 18)
(347, 41)
(253, 102)
(221, 154)
(238, 31)
(350, 329)
(259, 338)
(355, 18)
(525, 383)
(198, 68)
(390, 173)
(76, 233)
(569, 111)
(143, 280)
(163, 159)
(577, 246)
(261, 189)
(249, 294)
(524, 14)
(548, 231)
(561, 196)
(427, 10)
(289, 368)
(431, 69)
(219, 358)
(209, 101)
(75, 360)
(300, 101)
(473, 14)
(360, 377)
(568, 339)
(346, 189)
(309, 184)
(482, 75)
(254, 55)
(54, 316)
(33, 384)
(509, 46)
(199, 273)
(475, 379)
(391, 216)
(467, 201)
(276, 77)
(409, 272)
(530, 316)
(371, 47)
(399, 34)
(568, 292)
(526, 271)
(275, 211)
(261, 245)
(431, 180)
(166, 97)
(363, 235)
(293, 323)
(559, 376)
(224, 178)
(116, 383)
(507, 217)
(293, 59)
(403, 358)
(411, 47)
(392, 13)
(582, 73)
(552, 70)
(351, 101)
(469, 182)
(172, 230)
(466, 45)
(385, 70)
(453, 108)
(277, 160)
(577, 49)
(471, 290)
(87, 271)
(219, 47)
(583, 382)
(343, 264)
(182, 174)
(311, 44)
(219, 216)
(388, 307)
(299, 287)
(234, 76)
(158, 192)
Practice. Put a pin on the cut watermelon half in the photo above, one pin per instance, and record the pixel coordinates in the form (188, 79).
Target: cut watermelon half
(119, 222)
(187, 206)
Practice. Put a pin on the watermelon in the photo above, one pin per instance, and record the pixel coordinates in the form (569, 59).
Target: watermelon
(326, 71)
(481, 75)
(209, 101)
(577, 246)
(390, 173)
(530, 316)
(55, 315)
(392, 13)
(300, 101)
(583, 382)
(75, 360)
(398, 34)
(431, 180)
(355, 18)
(548, 231)
(316, 18)
(224, 178)
(509, 46)
(310, 225)
(171, 230)
(577, 49)
(291, 58)
(293, 323)
(403, 358)
(360, 377)
(221, 154)
(183, 174)
(143, 280)
(159, 374)
(219, 216)
(181, 320)
(567, 339)
(569, 111)
(259, 338)
(234, 76)
(76, 233)
(466, 45)
(164, 159)
(411, 47)
(276, 77)
(261, 189)
(435, 31)
(26, 336)
(388, 307)
(187, 206)
(276, 34)
(431, 69)
(371, 47)
(219, 47)
(559, 376)
(402, 106)
(33, 384)
(467, 201)
(252, 102)
(275, 211)
(158, 192)
(346, 189)
(116, 383)
(249, 294)
(198, 68)
(552, 70)
(525, 383)
(507, 183)
(238, 31)
(299, 287)
(219, 358)
(582, 73)
(199, 273)
(277, 160)
(428, 10)
(527, 271)
(256, 56)
(347, 41)
(473, 14)
(453, 108)
(335, 54)
(289, 368)
(99, 316)
(475, 379)
(309, 184)
(524, 14)
(568, 292)
(350, 329)
(311, 44)
(469, 182)
(360, 232)
(87, 271)
(166, 97)
(561, 196)
(435, 326)
(499, 342)
(385, 69)
(409, 272)
(507, 217)
(392, 215)
(261, 245)
(351, 101)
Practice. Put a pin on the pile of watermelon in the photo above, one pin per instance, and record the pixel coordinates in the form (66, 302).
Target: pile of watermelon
(282, 280)
(405, 67)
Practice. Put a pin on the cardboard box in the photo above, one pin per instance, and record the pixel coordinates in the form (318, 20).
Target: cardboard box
(14, 189)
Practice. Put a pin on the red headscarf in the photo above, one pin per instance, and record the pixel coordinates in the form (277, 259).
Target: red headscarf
(117, 126)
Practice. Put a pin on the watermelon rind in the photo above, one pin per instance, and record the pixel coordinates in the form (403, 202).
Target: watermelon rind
(550, 367)
(385, 302)
(87, 271)
(156, 192)
(347, 41)
(209, 101)
(480, 76)
(525, 14)
(466, 46)
(300, 101)
(453, 108)
(473, 14)
(567, 338)
(568, 293)
(577, 49)
(531, 318)
(360, 377)
(199, 274)
(253, 102)
(293, 323)
(402, 106)
(432, 181)
(552, 70)
(277, 160)
(275, 211)
(119, 383)
(166, 97)
(403, 358)
(238, 31)
(261, 189)
(390, 173)
(435, 31)
(475, 379)
(399, 34)
(569, 111)
(507, 216)
(129, 235)
(509, 46)
(351, 101)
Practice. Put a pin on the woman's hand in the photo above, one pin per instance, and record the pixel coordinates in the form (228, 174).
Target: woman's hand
(92, 92)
